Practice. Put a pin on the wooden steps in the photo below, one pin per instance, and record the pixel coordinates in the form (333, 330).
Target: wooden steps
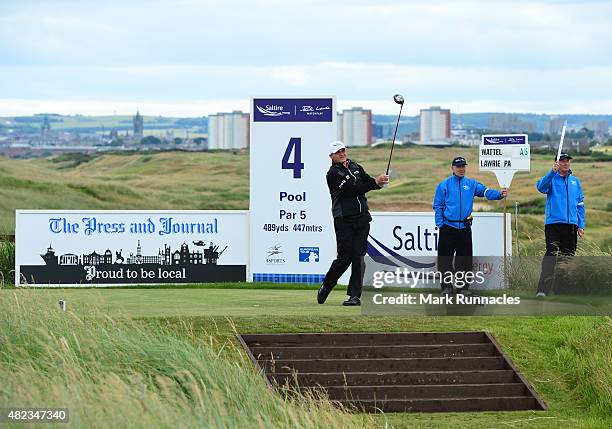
(395, 372)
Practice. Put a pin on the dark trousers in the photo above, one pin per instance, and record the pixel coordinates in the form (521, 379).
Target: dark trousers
(455, 243)
(561, 240)
(352, 242)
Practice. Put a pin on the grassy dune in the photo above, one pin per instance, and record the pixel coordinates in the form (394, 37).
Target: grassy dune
(221, 181)
(124, 374)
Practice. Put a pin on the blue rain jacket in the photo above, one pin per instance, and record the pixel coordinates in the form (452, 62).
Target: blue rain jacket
(564, 198)
(455, 197)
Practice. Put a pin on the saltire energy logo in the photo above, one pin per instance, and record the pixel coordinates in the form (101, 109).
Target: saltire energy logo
(384, 255)
(293, 110)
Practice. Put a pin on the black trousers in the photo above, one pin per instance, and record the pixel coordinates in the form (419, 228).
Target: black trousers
(351, 241)
(457, 243)
(561, 241)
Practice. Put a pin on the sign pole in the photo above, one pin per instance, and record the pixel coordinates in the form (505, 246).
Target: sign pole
(505, 154)
(516, 227)
(505, 244)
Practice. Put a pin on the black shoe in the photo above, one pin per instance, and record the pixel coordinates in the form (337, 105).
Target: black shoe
(322, 294)
(352, 301)
(465, 292)
(447, 291)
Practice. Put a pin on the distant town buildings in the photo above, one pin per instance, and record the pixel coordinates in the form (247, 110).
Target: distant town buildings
(354, 126)
(435, 125)
(46, 134)
(138, 122)
(228, 130)
(554, 125)
(504, 122)
(600, 128)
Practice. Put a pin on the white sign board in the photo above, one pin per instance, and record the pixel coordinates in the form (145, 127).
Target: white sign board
(72, 248)
(292, 235)
(505, 155)
(410, 240)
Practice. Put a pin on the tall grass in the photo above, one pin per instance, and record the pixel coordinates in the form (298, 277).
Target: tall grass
(7, 264)
(119, 373)
(588, 273)
(585, 357)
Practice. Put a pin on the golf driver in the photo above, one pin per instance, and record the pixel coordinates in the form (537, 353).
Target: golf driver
(399, 100)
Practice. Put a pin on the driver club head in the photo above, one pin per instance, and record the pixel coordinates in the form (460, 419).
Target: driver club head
(399, 99)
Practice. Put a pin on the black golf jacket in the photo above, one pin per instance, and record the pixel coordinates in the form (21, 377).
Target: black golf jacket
(347, 187)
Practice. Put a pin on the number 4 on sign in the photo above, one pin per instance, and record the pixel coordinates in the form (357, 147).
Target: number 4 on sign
(295, 146)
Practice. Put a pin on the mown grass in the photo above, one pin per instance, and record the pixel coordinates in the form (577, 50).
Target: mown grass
(122, 373)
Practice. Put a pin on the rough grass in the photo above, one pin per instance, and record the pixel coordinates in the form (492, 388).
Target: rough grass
(121, 373)
(7, 264)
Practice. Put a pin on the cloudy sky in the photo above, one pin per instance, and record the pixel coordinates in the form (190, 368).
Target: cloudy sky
(196, 57)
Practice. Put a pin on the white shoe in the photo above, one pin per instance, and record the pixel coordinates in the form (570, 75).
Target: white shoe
(540, 295)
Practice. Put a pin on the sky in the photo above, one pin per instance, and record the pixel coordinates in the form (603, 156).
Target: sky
(197, 57)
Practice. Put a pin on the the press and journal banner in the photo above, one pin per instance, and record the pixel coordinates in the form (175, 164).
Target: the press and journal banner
(59, 248)
(406, 244)
(292, 235)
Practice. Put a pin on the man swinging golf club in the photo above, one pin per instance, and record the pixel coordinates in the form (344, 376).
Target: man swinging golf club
(453, 211)
(348, 183)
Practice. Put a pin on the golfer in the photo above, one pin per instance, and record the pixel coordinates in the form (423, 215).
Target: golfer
(453, 212)
(565, 218)
(348, 183)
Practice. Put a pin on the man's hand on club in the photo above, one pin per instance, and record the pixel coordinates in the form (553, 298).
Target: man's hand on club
(381, 180)
(556, 166)
(580, 232)
(504, 192)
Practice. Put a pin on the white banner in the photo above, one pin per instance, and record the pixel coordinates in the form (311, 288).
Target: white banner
(410, 240)
(292, 235)
(72, 247)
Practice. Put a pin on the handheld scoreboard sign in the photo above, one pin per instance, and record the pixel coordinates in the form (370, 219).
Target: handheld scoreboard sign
(504, 155)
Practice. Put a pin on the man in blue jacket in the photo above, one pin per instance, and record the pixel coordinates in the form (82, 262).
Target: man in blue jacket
(564, 217)
(453, 209)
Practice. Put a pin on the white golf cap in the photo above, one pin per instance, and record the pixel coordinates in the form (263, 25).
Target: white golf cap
(336, 146)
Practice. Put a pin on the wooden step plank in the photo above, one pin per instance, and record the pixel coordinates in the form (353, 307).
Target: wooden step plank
(418, 392)
(394, 377)
(427, 405)
(360, 339)
(392, 364)
(365, 352)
